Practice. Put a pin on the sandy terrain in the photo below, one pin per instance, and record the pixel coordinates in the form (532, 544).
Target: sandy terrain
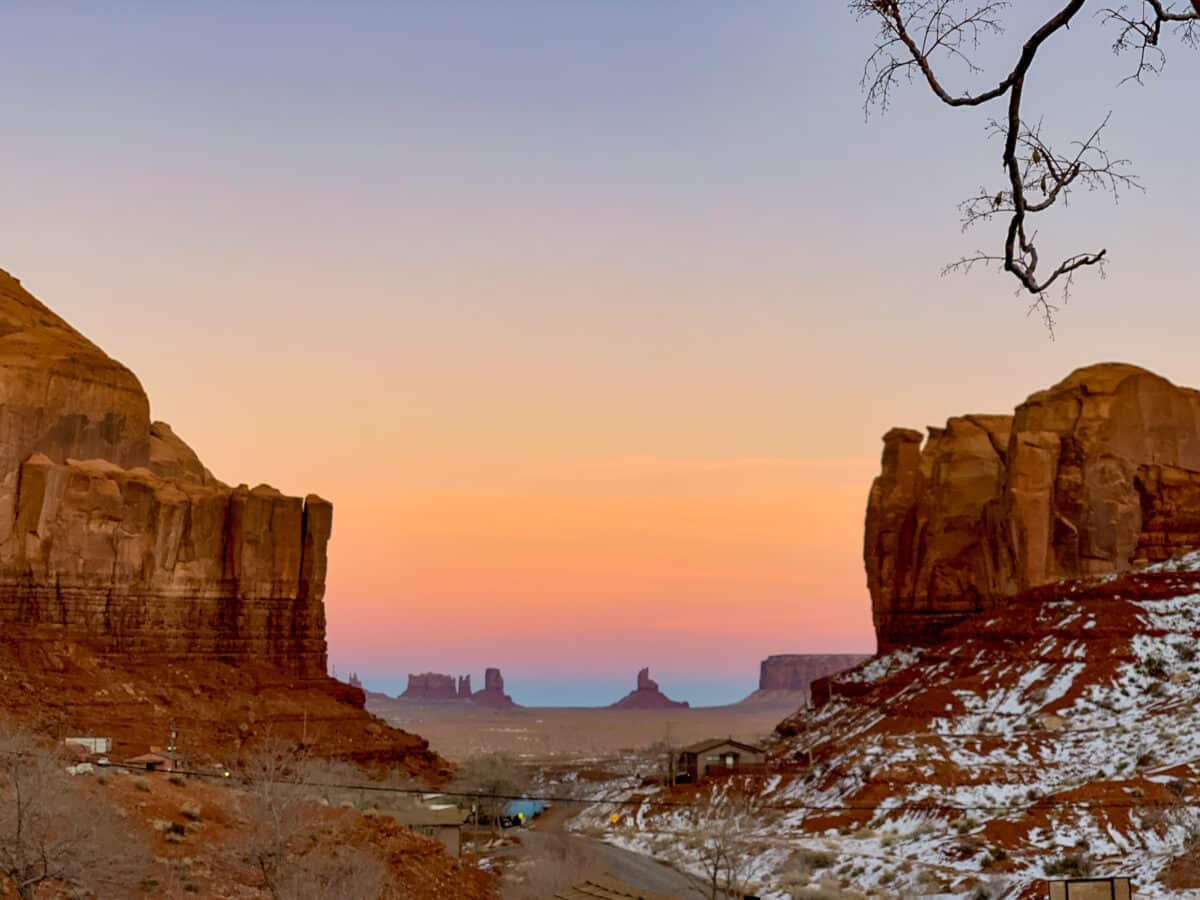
(458, 730)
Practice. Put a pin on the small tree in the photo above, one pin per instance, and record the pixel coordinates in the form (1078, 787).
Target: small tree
(720, 839)
(283, 811)
(50, 832)
(274, 777)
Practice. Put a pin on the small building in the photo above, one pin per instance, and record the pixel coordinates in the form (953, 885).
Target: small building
(93, 745)
(1091, 889)
(443, 822)
(151, 762)
(720, 756)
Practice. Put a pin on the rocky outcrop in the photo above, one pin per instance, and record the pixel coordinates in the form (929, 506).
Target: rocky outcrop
(464, 686)
(112, 531)
(797, 671)
(1098, 474)
(430, 686)
(137, 591)
(492, 694)
(647, 696)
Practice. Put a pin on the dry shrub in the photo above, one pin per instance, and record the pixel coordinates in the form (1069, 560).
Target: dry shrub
(563, 862)
(51, 832)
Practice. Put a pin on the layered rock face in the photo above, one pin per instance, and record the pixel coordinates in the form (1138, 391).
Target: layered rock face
(430, 686)
(647, 696)
(797, 671)
(112, 532)
(1095, 475)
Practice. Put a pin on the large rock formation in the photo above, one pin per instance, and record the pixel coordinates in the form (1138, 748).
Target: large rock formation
(647, 696)
(139, 593)
(492, 694)
(796, 671)
(430, 686)
(112, 531)
(1095, 475)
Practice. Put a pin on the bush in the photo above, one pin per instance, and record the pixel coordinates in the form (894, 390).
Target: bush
(813, 860)
(140, 782)
(177, 780)
(1072, 865)
(1155, 667)
(190, 811)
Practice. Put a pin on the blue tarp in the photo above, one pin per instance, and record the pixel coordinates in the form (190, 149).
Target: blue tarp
(530, 808)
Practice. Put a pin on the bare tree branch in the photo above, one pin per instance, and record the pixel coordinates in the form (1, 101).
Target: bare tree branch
(916, 37)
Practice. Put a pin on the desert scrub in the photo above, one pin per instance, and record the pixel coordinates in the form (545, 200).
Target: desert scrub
(140, 782)
(1070, 865)
(177, 779)
(1154, 666)
(812, 860)
(190, 811)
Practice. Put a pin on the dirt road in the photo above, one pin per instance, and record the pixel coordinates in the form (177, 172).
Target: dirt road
(547, 843)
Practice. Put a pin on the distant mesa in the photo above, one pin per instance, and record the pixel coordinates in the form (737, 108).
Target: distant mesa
(430, 686)
(797, 671)
(647, 696)
(433, 687)
(789, 676)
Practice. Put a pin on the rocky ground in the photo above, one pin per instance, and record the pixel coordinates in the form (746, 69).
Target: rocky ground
(1061, 735)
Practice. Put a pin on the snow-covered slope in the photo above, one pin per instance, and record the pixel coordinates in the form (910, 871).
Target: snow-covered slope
(1062, 734)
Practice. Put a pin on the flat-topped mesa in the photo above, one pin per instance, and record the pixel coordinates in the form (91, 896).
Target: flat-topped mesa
(430, 686)
(797, 671)
(1098, 474)
(113, 532)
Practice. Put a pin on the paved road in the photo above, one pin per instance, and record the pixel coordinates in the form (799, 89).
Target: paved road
(547, 843)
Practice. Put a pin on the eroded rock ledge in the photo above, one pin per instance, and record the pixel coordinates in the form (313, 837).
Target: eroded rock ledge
(113, 532)
(1096, 475)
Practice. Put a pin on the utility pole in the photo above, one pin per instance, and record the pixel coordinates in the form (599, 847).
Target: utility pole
(670, 758)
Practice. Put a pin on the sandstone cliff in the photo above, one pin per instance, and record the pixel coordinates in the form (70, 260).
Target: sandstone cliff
(1095, 475)
(112, 531)
(647, 696)
(118, 546)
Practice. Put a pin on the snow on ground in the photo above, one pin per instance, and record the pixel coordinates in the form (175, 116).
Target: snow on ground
(971, 767)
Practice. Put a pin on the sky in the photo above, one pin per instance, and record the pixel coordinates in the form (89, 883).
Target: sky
(588, 317)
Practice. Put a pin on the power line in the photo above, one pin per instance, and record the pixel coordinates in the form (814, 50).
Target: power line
(917, 806)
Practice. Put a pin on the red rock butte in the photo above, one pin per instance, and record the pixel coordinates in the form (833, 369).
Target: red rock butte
(111, 530)
(647, 696)
(1096, 475)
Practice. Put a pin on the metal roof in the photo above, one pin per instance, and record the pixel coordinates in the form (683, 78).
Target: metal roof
(705, 746)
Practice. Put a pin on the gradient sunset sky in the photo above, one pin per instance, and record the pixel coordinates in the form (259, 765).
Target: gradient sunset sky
(588, 317)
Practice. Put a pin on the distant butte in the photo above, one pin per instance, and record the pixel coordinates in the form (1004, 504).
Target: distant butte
(647, 696)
